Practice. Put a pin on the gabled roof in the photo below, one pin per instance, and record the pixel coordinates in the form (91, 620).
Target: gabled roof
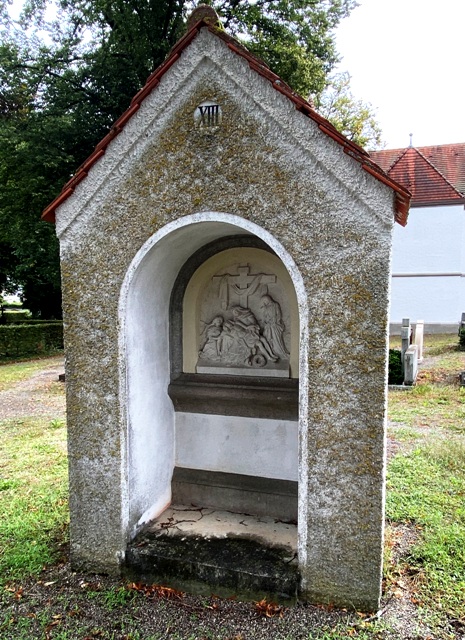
(209, 20)
(435, 175)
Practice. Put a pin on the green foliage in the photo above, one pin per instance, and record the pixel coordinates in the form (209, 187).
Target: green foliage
(462, 339)
(14, 317)
(396, 375)
(426, 487)
(33, 500)
(20, 318)
(296, 38)
(26, 339)
(352, 117)
(117, 597)
(64, 81)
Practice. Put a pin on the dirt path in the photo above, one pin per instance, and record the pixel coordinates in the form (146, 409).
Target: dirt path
(39, 395)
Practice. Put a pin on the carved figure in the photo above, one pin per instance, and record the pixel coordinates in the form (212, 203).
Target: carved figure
(237, 341)
(212, 347)
(245, 328)
(273, 325)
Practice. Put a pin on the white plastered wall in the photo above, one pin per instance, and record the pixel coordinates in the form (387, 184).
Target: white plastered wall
(232, 444)
(144, 358)
(428, 266)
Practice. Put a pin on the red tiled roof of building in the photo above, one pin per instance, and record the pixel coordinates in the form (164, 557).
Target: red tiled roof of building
(402, 195)
(435, 175)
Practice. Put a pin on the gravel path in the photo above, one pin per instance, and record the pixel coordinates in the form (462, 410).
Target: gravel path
(39, 395)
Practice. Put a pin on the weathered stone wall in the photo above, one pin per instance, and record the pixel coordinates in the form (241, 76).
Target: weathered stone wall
(272, 166)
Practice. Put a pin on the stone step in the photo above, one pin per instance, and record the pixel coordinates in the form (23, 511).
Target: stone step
(222, 566)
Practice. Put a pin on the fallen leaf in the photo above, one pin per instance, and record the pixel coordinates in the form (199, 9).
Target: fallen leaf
(268, 609)
(156, 590)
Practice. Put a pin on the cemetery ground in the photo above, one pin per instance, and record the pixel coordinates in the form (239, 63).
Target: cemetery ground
(424, 584)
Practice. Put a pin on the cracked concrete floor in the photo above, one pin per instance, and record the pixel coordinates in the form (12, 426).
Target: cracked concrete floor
(211, 523)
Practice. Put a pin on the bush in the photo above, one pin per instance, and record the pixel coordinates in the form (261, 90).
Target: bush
(30, 339)
(28, 320)
(10, 316)
(396, 375)
(462, 339)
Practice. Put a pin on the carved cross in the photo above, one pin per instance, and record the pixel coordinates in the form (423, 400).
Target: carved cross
(243, 279)
(245, 284)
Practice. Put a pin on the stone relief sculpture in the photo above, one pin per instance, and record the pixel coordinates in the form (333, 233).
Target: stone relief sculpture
(273, 325)
(244, 284)
(242, 326)
(213, 346)
(238, 340)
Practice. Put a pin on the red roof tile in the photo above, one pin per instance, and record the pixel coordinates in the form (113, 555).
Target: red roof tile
(435, 175)
(402, 195)
(449, 159)
(386, 157)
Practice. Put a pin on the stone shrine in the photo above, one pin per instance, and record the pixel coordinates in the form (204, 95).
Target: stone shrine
(225, 258)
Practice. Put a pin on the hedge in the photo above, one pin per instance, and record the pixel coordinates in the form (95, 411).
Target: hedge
(17, 315)
(396, 374)
(30, 339)
(462, 338)
(22, 317)
(26, 320)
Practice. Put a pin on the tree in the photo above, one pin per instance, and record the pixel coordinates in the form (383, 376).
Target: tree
(65, 80)
(33, 164)
(354, 118)
(294, 37)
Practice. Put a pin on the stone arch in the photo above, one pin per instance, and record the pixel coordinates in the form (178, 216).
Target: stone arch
(147, 410)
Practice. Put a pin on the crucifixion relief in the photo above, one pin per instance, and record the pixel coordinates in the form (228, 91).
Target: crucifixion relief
(244, 284)
(242, 326)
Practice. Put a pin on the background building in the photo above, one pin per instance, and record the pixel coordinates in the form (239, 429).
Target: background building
(428, 264)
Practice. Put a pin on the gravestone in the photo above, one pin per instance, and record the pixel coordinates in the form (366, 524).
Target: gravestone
(411, 365)
(225, 262)
(406, 336)
(418, 338)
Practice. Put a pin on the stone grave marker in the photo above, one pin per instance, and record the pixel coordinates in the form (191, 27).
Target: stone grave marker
(405, 335)
(418, 338)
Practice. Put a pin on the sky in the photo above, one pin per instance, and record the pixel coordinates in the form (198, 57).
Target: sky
(407, 58)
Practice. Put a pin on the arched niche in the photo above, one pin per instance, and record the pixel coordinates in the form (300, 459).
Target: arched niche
(148, 367)
(236, 421)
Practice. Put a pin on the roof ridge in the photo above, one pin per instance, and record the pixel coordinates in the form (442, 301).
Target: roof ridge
(403, 152)
(438, 171)
(446, 144)
(402, 194)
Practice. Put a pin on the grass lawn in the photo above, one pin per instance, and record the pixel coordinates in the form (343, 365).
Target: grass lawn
(425, 537)
(33, 495)
(426, 480)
